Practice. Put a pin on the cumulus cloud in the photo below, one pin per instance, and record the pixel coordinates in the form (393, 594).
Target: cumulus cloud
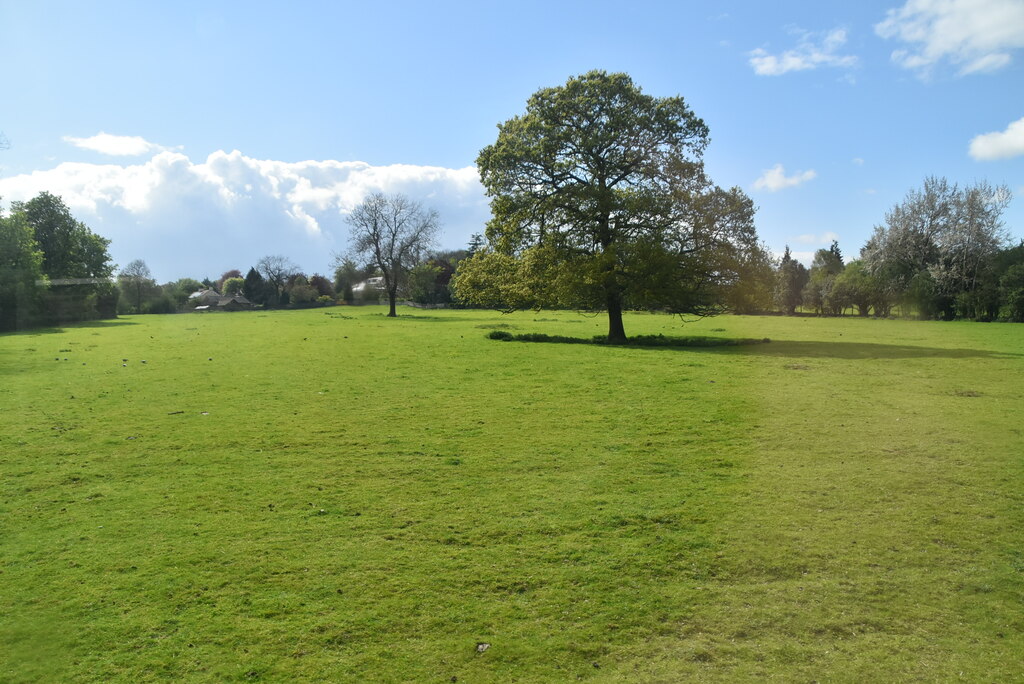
(999, 144)
(976, 35)
(115, 145)
(813, 51)
(775, 179)
(195, 219)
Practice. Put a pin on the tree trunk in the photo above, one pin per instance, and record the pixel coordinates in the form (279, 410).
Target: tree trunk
(392, 295)
(616, 333)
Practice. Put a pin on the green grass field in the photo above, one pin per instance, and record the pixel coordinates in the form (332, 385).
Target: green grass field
(331, 495)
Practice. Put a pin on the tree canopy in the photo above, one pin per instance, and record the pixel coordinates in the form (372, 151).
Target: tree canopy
(21, 273)
(600, 202)
(75, 261)
(938, 243)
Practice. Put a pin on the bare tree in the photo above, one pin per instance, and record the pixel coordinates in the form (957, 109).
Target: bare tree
(136, 278)
(276, 270)
(392, 233)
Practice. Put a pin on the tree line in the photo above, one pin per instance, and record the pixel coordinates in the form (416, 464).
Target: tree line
(941, 253)
(600, 202)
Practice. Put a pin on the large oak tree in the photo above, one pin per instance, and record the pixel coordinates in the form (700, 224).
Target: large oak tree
(600, 202)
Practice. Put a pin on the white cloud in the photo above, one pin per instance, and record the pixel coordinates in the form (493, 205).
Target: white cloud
(858, 161)
(825, 238)
(808, 54)
(196, 219)
(976, 35)
(115, 145)
(999, 144)
(775, 179)
(805, 258)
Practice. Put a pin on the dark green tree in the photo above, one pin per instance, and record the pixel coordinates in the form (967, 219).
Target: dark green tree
(276, 270)
(476, 243)
(255, 287)
(1011, 286)
(819, 290)
(346, 275)
(179, 290)
(600, 202)
(22, 283)
(791, 279)
(856, 287)
(323, 285)
(75, 260)
(753, 292)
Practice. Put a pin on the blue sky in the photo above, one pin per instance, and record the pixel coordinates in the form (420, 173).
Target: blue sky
(200, 136)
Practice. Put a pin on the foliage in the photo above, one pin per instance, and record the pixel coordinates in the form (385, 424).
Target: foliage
(753, 291)
(323, 285)
(275, 271)
(791, 279)
(255, 287)
(160, 304)
(232, 273)
(179, 290)
(937, 243)
(22, 282)
(232, 286)
(1011, 287)
(600, 202)
(300, 292)
(392, 233)
(819, 292)
(136, 284)
(430, 280)
(855, 286)
(75, 261)
(422, 285)
(346, 275)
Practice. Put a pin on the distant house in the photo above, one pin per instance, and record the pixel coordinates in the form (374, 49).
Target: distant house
(203, 297)
(218, 302)
(236, 302)
(376, 283)
(369, 289)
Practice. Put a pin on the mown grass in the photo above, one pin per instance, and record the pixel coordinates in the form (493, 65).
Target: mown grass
(334, 495)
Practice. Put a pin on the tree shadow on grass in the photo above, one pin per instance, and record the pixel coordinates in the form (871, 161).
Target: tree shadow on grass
(870, 350)
(765, 347)
(56, 330)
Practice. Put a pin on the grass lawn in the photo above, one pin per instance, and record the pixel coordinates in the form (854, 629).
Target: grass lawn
(331, 495)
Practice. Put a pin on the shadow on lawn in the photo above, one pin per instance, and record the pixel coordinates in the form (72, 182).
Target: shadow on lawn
(868, 350)
(765, 347)
(113, 323)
